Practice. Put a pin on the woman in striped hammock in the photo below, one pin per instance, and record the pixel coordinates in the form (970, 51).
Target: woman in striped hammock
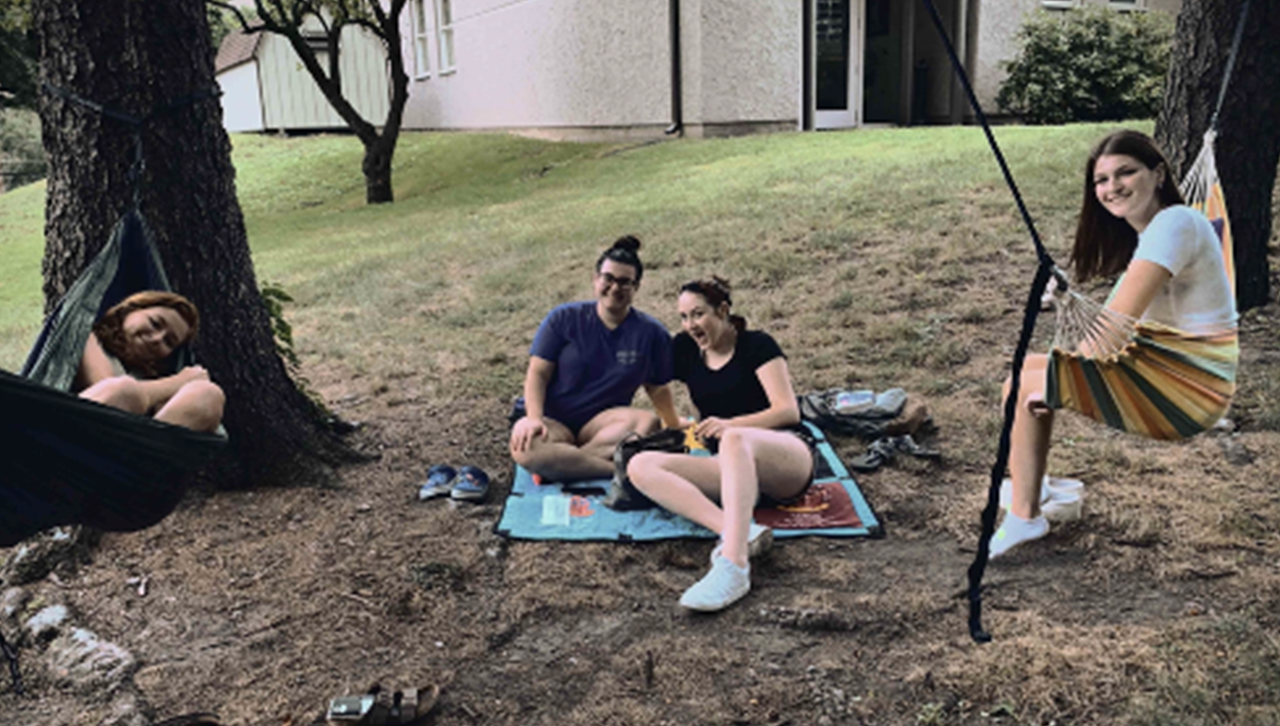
(1159, 359)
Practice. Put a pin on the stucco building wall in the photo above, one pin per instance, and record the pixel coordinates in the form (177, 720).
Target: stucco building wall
(574, 68)
(548, 63)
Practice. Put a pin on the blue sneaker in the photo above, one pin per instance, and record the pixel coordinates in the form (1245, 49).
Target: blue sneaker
(439, 482)
(472, 484)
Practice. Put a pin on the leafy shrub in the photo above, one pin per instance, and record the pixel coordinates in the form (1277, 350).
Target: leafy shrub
(1088, 64)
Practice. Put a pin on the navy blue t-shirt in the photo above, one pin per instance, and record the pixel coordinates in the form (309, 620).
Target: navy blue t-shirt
(598, 368)
(734, 389)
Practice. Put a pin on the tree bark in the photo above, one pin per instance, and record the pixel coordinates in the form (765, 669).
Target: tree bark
(141, 56)
(1248, 145)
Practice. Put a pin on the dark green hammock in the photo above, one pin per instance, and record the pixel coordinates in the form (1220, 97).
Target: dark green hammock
(73, 461)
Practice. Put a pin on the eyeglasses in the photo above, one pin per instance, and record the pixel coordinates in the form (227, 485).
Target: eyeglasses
(625, 283)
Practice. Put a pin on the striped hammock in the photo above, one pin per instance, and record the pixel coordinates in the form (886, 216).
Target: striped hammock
(1140, 376)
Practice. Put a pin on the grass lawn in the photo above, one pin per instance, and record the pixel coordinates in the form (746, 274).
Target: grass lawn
(876, 258)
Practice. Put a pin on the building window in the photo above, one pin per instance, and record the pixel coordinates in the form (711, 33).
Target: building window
(444, 34)
(421, 59)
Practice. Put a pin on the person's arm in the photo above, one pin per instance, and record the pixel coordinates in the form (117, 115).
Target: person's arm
(782, 411)
(158, 391)
(94, 364)
(1141, 283)
(536, 380)
(664, 402)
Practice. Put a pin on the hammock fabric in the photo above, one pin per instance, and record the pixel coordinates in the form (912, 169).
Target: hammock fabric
(1158, 382)
(73, 461)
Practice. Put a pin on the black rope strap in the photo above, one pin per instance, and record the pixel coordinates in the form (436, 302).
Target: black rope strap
(136, 123)
(11, 655)
(1046, 269)
(1231, 64)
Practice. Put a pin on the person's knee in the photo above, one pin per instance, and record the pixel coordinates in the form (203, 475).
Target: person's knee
(641, 467)
(736, 441)
(205, 402)
(120, 392)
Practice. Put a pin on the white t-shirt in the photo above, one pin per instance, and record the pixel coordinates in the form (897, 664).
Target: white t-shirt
(1198, 299)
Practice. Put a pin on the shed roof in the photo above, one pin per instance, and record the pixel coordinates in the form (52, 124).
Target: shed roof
(236, 48)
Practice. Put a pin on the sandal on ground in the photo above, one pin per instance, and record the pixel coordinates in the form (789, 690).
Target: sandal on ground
(878, 454)
(439, 483)
(409, 707)
(472, 484)
(907, 444)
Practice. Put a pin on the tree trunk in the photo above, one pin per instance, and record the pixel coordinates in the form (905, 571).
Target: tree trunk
(140, 56)
(1248, 146)
(377, 170)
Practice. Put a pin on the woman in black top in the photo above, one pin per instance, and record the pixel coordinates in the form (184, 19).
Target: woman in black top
(739, 381)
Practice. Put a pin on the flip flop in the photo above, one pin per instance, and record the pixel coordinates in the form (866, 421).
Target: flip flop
(878, 453)
(440, 480)
(472, 484)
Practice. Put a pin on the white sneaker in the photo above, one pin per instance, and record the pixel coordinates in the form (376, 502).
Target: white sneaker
(759, 541)
(1060, 499)
(1015, 530)
(724, 585)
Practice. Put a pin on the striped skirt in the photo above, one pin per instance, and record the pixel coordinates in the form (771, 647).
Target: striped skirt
(1164, 384)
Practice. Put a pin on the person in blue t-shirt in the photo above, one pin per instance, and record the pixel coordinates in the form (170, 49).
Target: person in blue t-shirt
(587, 360)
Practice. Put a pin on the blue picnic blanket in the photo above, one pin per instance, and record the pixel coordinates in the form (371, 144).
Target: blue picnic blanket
(833, 507)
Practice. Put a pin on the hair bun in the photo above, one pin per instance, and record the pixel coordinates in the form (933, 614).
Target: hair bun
(723, 284)
(626, 242)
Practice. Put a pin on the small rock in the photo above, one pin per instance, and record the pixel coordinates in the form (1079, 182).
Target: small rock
(364, 507)
(83, 659)
(46, 624)
(1237, 454)
(13, 601)
(1192, 609)
(128, 709)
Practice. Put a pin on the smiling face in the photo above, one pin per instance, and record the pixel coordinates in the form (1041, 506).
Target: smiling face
(705, 324)
(151, 334)
(615, 286)
(1127, 188)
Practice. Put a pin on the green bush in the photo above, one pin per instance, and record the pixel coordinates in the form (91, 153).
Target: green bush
(1088, 64)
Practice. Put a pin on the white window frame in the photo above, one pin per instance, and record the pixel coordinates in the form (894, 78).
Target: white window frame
(444, 37)
(421, 31)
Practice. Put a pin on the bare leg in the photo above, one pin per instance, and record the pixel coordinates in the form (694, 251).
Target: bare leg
(557, 457)
(680, 483)
(752, 460)
(1030, 439)
(562, 457)
(600, 436)
(120, 392)
(197, 405)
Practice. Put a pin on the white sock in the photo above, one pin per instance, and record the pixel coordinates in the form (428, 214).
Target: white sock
(1015, 530)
